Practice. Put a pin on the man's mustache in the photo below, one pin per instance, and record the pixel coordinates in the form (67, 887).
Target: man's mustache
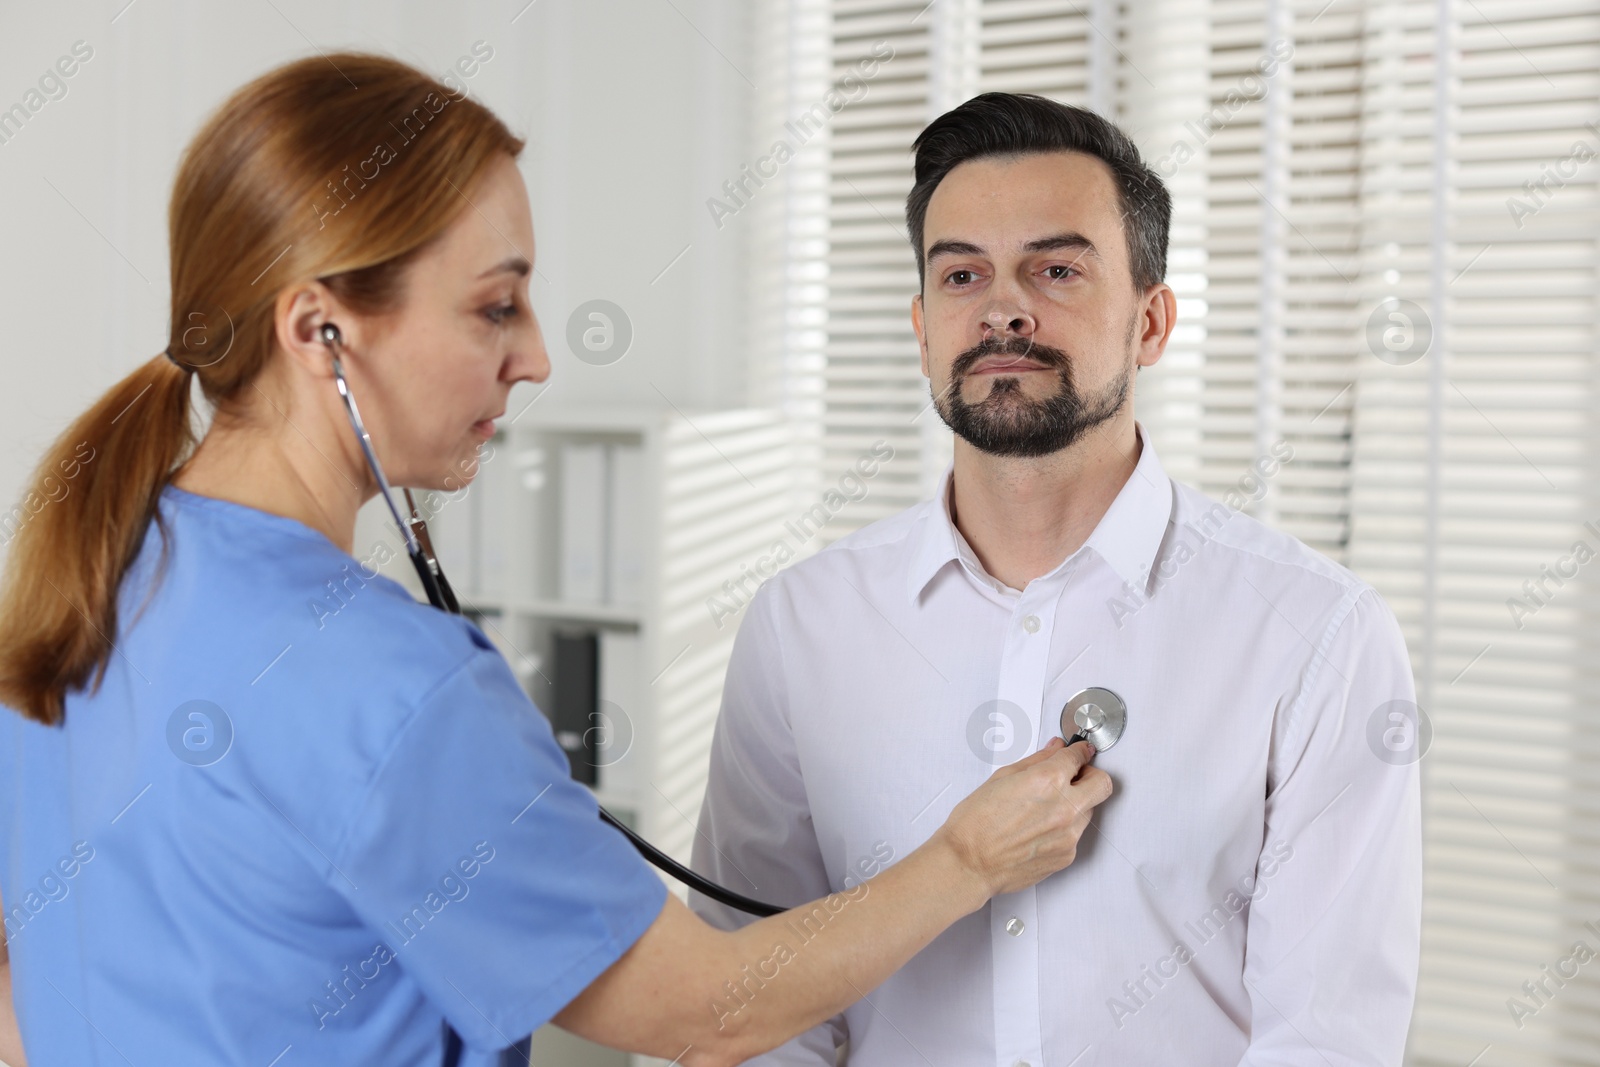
(1010, 346)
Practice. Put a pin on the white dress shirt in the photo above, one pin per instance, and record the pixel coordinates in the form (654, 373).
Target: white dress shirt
(1251, 892)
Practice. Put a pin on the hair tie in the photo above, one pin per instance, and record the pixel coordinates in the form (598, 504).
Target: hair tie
(175, 363)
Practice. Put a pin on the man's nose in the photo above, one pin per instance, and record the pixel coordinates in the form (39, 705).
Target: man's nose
(1001, 321)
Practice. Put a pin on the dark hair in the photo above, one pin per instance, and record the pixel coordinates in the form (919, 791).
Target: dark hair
(268, 171)
(1015, 124)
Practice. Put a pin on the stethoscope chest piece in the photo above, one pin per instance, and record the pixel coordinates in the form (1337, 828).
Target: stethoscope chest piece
(1095, 715)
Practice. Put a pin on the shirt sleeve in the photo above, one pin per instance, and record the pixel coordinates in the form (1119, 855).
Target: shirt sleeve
(484, 867)
(755, 835)
(1333, 941)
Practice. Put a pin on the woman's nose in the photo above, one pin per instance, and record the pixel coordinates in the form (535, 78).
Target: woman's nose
(529, 361)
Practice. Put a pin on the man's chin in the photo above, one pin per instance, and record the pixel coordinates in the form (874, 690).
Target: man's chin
(1011, 448)
(1018, 431)
(1005, 439)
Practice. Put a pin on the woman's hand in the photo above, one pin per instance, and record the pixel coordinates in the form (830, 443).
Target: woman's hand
(669, 994)
(1023, 824)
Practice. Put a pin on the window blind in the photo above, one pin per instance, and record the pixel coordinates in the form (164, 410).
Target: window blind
(1474, 471)
(870, 383)
(1280, 232)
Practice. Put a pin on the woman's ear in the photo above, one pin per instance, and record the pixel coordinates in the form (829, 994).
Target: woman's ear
(298, 317)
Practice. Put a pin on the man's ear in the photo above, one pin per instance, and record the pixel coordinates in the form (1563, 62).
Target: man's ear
(920, 329)
(1157, 318)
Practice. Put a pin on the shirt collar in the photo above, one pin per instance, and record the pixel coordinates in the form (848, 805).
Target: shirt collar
(1127, 536)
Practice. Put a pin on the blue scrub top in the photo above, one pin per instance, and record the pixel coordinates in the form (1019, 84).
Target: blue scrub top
(304, 819)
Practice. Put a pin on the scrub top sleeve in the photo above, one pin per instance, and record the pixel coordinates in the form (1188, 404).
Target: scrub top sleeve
(484, 868)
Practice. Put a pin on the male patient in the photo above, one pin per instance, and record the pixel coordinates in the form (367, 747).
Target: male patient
(1251, 892)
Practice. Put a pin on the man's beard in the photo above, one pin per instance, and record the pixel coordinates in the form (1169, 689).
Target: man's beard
(1006, 422)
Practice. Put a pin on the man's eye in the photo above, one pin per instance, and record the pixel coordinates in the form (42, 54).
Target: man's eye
(960, 277)
(500, 313)
(1059, 271)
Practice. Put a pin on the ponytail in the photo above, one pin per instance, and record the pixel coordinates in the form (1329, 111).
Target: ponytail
(77, 529)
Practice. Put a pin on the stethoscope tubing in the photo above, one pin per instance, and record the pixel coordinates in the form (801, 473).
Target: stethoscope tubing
(1103, 734)
(441, 596)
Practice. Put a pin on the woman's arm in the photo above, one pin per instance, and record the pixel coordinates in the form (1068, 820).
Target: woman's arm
(10, 1036)
(673, 993)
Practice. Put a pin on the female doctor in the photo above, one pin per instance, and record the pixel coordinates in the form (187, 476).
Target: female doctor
(238, 827)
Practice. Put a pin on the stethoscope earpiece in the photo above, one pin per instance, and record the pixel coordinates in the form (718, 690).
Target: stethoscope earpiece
(330, 334)
(1095, 715)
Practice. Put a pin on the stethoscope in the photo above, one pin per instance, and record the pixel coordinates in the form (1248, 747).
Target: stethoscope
(420, 548)
(1099, 715)
(1096, 715)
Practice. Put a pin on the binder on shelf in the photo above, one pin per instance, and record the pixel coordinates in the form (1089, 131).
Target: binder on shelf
(454, 527)
(495, 487)
(621, 703)
(574, 701)
(528, 501)
(626, 526)
(583, 523)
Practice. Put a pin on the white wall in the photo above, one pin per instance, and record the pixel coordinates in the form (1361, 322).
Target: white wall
(632, 113)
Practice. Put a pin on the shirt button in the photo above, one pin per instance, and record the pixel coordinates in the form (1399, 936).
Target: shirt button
(1030, 623)
(1014, 926)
